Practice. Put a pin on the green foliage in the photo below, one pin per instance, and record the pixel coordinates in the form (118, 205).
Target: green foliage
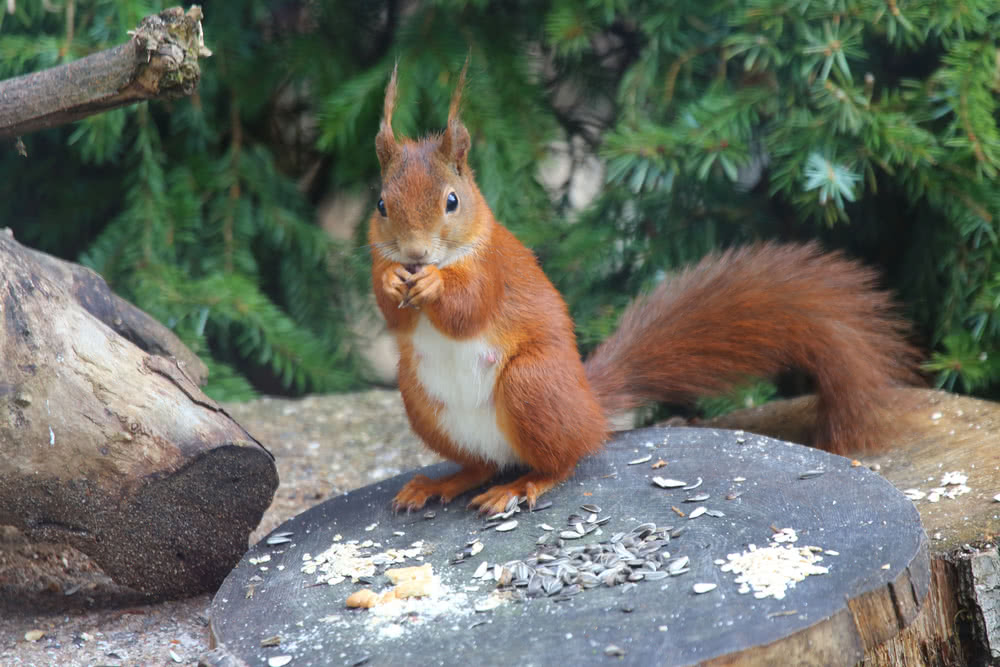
(869, 125)
(872, 126)
(183, 209)
(749, 396)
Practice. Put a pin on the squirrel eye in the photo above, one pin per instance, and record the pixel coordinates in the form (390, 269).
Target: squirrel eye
(381, 206)
(452, 203)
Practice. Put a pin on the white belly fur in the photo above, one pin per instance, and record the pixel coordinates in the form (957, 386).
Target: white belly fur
(461, 375)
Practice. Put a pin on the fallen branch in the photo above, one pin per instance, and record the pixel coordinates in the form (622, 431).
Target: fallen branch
(160, 61)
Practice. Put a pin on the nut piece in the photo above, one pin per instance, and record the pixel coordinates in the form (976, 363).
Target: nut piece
(365, 598)
(414, 588)
(399, 574)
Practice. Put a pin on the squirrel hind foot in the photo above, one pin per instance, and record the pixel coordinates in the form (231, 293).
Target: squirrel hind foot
(495, 499)
(421, 488)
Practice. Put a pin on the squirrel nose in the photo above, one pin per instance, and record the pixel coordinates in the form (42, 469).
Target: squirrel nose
(417, 254)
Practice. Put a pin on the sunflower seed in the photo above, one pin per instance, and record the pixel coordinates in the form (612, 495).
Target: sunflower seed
(690, 487)
(481, 570)
(642, 530)
(592, 508)
(715, 513)
(506, 526)
(697, 498)
(488, 604)
(570, 535)
(570, 591)
(678, 564)
(545, 526)
(703, 588)
(809, 474)
(277, 539)
(641, 459)
(666, 483)
(544, 505)
(697, 512)
(608, 577)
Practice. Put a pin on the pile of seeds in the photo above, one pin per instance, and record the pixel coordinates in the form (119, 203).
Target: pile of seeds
(770, 571)
(560, 569)
(354, 560)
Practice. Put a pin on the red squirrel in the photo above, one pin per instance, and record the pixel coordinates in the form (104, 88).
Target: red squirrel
(489, 369)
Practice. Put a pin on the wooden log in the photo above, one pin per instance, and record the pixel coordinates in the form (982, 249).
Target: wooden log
(111, 449)
(136, 326)
(933, 433)
(269, 607)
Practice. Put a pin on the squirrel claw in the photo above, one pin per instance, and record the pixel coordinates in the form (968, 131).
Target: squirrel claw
(530, 486)
(416, 492)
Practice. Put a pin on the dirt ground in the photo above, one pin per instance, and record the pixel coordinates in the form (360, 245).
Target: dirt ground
(323, 446)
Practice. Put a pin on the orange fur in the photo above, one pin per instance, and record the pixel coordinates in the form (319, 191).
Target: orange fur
(743, 313)
(755, 312)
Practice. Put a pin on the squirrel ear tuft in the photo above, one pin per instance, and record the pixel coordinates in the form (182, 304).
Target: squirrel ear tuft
(385, 143)
(455, 141)
(455, 145)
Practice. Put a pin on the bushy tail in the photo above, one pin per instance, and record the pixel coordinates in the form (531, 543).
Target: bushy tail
(754, 312)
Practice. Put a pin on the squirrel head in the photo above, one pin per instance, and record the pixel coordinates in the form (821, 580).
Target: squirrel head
(429, 210)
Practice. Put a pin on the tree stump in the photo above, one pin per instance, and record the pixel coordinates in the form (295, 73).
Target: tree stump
(934, 433)
(110, 447)
(867, 533)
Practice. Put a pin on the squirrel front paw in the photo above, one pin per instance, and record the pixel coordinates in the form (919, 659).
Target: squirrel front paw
(394, 280)
(426, 286)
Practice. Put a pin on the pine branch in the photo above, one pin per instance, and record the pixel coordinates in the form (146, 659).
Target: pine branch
(160, 61)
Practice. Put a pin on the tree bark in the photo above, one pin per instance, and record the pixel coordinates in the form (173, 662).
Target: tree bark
(159, 61)
(109, 448)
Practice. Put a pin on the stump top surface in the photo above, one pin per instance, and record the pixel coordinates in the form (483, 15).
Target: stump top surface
(932, 433)
(825, 619)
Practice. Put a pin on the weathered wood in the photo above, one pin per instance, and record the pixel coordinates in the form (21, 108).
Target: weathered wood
(934, 432)
(113, 450)
(159, 61)
(93, 295)
(875, 586)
